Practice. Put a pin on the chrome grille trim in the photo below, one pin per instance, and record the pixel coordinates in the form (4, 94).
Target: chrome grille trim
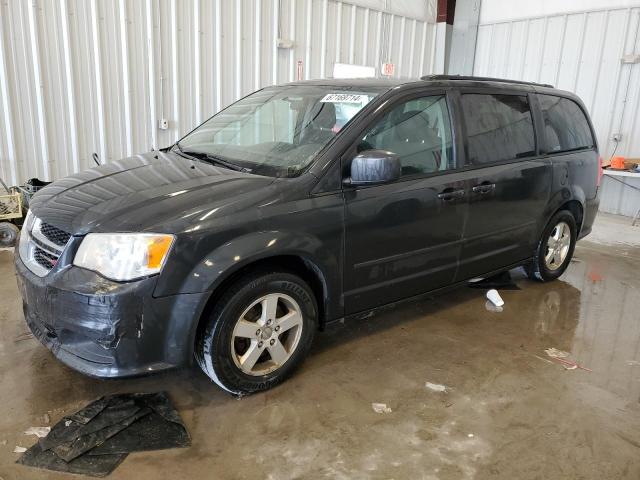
(44, 242)
(37, 250)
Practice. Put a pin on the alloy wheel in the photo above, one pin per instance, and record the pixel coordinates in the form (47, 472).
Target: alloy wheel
(558, 245)
(266, 334)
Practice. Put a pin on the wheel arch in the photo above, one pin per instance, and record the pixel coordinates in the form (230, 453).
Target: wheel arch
(577, 210)
(571, 199)
(295, 263)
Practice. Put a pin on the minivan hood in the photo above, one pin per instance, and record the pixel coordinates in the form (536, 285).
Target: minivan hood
(140, 192)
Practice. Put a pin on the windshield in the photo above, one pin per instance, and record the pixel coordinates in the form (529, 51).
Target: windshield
(276, 131)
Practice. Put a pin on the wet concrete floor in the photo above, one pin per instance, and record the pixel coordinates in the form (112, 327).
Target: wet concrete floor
(508, 412)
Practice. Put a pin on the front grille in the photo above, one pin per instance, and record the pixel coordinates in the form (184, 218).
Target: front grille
(41, 245)
(54, 234)
(45, 259)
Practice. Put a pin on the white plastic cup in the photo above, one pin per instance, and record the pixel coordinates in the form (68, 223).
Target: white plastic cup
(494, 297)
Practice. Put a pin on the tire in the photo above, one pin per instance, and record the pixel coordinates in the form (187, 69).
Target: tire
(8, 234)
(541, 268)
(225, 340)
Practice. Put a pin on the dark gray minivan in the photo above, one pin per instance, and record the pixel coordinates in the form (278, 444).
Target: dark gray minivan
(297, 206)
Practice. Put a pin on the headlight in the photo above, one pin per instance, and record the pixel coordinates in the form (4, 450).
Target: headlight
(124, 256)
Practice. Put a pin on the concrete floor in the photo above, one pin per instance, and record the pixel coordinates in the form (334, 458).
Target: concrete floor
(507, 413)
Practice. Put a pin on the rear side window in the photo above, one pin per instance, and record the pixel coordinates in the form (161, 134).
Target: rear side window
(499, 127)
(565, 125)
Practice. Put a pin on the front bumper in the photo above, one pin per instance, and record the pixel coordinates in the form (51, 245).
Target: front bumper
(108, 329)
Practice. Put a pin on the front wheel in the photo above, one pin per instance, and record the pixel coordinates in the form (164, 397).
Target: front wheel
(259, 331)
(555, 248)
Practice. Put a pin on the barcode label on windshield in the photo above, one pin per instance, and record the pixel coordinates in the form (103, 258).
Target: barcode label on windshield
(345, 98)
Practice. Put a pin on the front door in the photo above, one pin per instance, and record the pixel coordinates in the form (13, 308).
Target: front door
(404, 238)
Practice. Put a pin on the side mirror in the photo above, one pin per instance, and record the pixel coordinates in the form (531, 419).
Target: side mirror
(373, 167)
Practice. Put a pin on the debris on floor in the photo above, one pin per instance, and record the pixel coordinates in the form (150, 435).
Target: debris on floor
(632, 363)
(494, 297)
(381, 408)
(19, 449)
(555, 353)
(96, 439)
(502, 281)
(435, 387)
(543, 359)
(561, 357)
(39, 432)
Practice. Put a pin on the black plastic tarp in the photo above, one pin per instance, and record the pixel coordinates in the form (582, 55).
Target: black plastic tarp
(96, 439)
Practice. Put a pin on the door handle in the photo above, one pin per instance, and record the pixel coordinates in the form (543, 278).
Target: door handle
(484, 188)
(450, 194)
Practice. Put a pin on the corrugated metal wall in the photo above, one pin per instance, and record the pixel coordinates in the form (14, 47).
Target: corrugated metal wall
(85, 76)
(580, 52)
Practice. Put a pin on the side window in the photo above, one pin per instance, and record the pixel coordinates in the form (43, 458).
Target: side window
(565, 125)
(419, 132)
(499, 127)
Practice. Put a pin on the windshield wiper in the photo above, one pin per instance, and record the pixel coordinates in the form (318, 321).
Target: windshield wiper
(179, 149)
(219, 161)
(207, 157)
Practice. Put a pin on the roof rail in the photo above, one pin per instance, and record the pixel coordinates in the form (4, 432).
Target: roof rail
(482, 79)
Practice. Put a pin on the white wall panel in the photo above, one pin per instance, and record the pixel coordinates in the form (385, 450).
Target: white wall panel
(508, 10)
(85, 76)
(577, 51)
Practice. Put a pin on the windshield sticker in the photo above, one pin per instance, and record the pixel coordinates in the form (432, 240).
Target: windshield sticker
(345, 98)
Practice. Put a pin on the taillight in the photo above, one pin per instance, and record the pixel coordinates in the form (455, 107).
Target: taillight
(600, 172)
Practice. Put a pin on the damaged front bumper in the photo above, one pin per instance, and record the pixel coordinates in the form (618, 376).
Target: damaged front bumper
(104, 328)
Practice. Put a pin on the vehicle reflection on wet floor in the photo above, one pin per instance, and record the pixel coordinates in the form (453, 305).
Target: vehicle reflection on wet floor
(508, 410)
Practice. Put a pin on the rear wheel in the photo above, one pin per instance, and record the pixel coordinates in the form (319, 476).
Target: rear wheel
(555, 248)
(259, 331)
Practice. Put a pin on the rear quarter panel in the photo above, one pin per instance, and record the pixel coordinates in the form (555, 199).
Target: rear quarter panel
(575, 174)
(575, 178)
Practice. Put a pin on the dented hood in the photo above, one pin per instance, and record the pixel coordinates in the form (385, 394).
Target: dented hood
(141, 192)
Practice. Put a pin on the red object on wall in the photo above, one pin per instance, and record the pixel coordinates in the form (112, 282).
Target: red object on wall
(388, 69)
